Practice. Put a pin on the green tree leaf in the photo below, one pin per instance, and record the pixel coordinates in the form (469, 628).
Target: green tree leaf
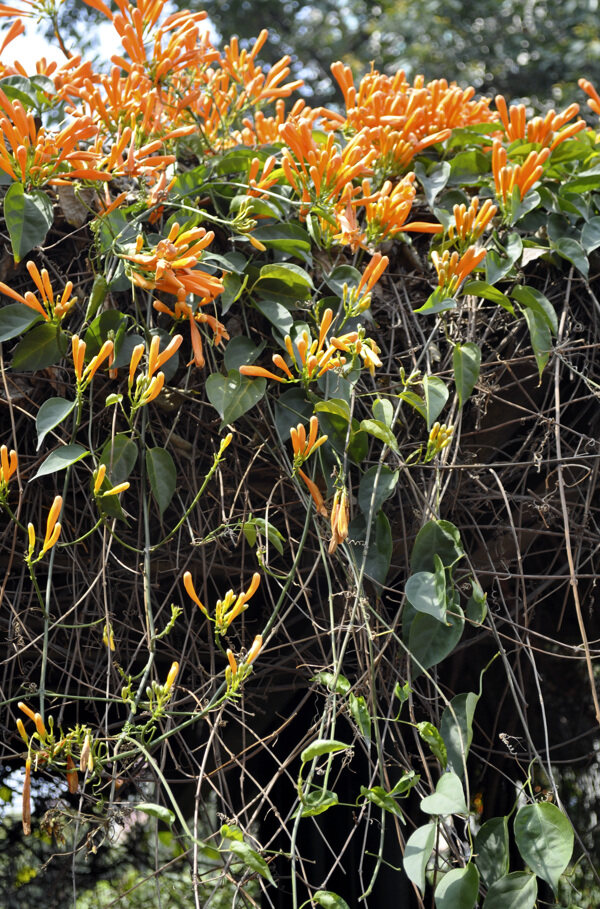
(15, 319)
(43, 346)
(234, 394)
(336, 406)
(545, 839)
(434, 181)
(381, 432)
(322, 746)
(466, 360)
(430, 642)
(376, 485)
(456, 728)
(590, 235)
(360, 714)
(540, 338)
(417, 853)
(159, 811)
(573, 252)
(436, 537)
(251, 859)
(497, 266)
(28, 217)
(426, 591)
(436, 395)
(448, 797)
(491, 850)
(120, 455)
(162, 475)
(487, 292)
(458, 888)
(317, 802)
(51, 413)
(435, 742)
(61, 459)
(329, 900)
(241, 351)
(513, 891)
(383, 799)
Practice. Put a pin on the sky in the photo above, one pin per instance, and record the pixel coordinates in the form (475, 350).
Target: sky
(31, 46)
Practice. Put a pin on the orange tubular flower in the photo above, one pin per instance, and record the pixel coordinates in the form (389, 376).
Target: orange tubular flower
(171, 676)
(254, 650)
(339, 520)
(593, 96)
(470, 223)
(49, 308)
(545, 131)
(387, 210)
(53, 528)
(522, 176)
(8, 467)
(191, 592)
(452, 269)
(185, 311)
(302, 446)
(315, 493)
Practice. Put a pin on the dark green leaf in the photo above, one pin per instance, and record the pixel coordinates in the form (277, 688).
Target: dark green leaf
(540, 338)
(429, 641)
(376, 485)
(448, 797)
(43, 346)
(317, 802)
(104, 327)
(436, 537)
(234, 394)
(241, 351)
(15, 319)
(458, 889)
(497, 265)
(417, 853)
(360, 714)
(436, 395)
(544, 838)
(383, 799)
(290, 238)
(381, 432)
(466, 360)
(51, 413)
(456, 728)
(336, 406)
(434, 181)
(476, 609)
(340, 685)
(491, 850)
(290, 409)
(573, 251)
(28, 217)
(487, 292)
(590, 235)
(530, 298)
(61, 459)
(426, 591)
(468, 167)
(119, 455)
(277, 314)
(343, 274)
(513, 891)
(329, 900)
(162, 476)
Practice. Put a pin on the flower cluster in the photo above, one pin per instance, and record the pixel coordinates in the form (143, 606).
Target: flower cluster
(547, 132)
(470, 223)
(227, 609)
(53, 528)
(440, 437)
(452, 268)
(8, 466)
(515, 180)
(236, 673)
(48, 307)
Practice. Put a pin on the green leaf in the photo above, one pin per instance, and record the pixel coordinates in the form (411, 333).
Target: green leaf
(119, 455)
(162, 476)
(336, 406)
(293, 276)
(381, 432)
(437, 302)
(406, 782)
(540, 338)
(317, 802)
(417, 853)
(159, 811)
(487, 292)
(290, 238)
(544, 838)
(383, 799)
(590, 235)
(104, 326)
(415, 401)
(466, 360)
(360, 714)
(376, 485)
(513, 891)
(43, 346)
(28, 217)
(476, 609)
(329, 900)
(491, 850)
(530, 298)
(436, 395)
(456, 728)
(251, 859)
(573, 251)
(379, 551)
(51, 413)
(433, 182)
(234, 394)
(426, 591)
(15, 319)
(290, 409)
(278, 315)
(435, 742)
(436, 537)
(343, 274)
(383, 411)
(322, 746)
(458, 888)
(448, 797)
(268, 530)
(522, 207)
(430, 642)
(231, 832)
(241, 351)
(496, 265)
(341, 685)
(61, 459)
(468, 167)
